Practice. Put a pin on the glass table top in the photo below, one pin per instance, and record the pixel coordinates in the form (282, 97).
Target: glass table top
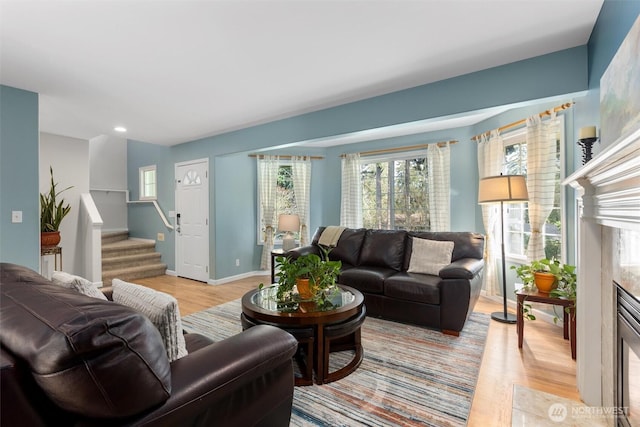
(266, 299)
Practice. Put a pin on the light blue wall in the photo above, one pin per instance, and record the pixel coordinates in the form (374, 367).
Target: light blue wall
(528, 86)
(19, 177)
(144, 221)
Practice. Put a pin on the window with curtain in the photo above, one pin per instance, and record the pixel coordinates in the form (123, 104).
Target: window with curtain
(518, 228)
(285, 202)
(395, 193)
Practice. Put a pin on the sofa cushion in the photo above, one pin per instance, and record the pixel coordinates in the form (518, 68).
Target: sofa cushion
(413, 287)
(77, 283)
(383, 248)
(466, 244)
(348, 248)
(161, 308)
(429, 256)
(82, 351)
(369, 279)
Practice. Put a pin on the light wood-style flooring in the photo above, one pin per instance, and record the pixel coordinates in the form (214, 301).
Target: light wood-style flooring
(543, 364)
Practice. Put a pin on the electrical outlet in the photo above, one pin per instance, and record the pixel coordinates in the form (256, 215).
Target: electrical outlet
(238, 262)
(160, 237)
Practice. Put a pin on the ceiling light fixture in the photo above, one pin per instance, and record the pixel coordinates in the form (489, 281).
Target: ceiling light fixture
(120, 129)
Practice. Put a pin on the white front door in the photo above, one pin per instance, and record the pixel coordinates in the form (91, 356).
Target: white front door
(192, 219)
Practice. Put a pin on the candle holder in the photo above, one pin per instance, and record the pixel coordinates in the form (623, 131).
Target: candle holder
(586, 144)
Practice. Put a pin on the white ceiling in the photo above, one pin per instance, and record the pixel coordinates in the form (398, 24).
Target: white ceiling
(175, 71)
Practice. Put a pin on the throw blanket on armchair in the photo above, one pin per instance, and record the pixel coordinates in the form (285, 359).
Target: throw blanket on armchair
(331, 235)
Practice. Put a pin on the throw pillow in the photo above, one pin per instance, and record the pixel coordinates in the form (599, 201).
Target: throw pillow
(77, 283)
(429, 256)
(160, 308)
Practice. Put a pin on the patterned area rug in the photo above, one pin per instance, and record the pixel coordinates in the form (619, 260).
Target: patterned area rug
(409, 376)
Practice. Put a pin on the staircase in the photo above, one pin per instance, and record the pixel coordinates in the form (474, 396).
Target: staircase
(128, 259)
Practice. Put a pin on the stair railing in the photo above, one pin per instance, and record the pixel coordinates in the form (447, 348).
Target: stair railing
(129, 201)
(157, 206)
(90, 230)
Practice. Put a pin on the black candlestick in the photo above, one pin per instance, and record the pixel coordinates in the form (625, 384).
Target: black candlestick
(586, 144)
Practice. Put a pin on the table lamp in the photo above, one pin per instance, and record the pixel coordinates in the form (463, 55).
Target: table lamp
(288, 224)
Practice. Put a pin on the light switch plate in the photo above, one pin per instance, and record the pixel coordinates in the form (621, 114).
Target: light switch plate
(16, 217)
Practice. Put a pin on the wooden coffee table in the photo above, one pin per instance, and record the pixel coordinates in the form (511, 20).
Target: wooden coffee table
(344, 314)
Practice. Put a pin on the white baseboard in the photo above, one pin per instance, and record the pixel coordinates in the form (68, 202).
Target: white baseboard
(239, 276)
(171, 273)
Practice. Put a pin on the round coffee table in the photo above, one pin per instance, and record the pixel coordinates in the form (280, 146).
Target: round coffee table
(335, 326)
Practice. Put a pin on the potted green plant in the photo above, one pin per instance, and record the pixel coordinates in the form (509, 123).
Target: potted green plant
(563, 280)
(52, 212)
(311, 274)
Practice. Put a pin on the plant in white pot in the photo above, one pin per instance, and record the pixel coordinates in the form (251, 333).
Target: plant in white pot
(52, 212)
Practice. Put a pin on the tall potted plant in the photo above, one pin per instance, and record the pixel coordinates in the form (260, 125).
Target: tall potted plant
(52, 212)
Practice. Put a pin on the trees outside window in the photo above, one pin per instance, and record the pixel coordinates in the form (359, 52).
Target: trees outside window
(394, 194)
(285, 200)
(518, 229)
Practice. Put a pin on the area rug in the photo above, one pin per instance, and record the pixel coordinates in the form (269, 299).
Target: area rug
(409, 376)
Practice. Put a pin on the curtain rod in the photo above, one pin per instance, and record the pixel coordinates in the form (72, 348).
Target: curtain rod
(523, 121)
(412, 147)
(288, 157)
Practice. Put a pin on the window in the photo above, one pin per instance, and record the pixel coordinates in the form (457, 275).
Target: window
(517, 227)
(394, 194)
(148, 183)
(285, 200)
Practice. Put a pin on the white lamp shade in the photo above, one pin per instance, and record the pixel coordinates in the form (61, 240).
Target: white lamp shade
(503, 188)
(288, 223)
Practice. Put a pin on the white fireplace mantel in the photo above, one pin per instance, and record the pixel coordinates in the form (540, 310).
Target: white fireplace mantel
(608, 188)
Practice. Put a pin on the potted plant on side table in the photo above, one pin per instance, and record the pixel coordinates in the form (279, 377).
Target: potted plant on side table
(562, 278)
(52, 212)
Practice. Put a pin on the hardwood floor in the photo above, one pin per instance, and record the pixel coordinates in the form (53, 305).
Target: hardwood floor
(543, 364)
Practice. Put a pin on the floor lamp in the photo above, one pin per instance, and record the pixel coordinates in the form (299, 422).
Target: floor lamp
(503, 189)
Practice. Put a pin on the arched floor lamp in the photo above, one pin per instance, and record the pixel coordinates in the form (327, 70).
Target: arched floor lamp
(503, 189)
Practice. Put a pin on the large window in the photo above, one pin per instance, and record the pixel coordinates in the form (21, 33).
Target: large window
(518, 229)
(285, 200)
(394, 194)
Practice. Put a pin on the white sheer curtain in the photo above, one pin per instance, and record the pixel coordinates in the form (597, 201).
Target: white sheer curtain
(490, 163)
(439, 184)
(541, 170)
(351, 201)
(267, 185)
(301, 167)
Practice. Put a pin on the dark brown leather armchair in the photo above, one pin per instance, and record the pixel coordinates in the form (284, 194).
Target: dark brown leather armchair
(69, 359)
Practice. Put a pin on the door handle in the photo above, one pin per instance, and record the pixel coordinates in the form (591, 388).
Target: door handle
(178, 223)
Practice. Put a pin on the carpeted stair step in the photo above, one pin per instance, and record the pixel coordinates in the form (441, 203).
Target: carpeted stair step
(114, 236)
(127, 247)
(129, 259)
(132, 273)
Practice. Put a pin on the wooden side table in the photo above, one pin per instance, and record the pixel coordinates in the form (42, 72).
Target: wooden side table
(274, 253)
(569, 319)
(56, 251)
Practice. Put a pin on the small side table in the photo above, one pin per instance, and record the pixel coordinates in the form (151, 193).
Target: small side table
(569, 319)
(275, 253)
(56, 251)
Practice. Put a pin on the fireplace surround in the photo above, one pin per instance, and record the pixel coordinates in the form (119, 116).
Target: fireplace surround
(608, 206)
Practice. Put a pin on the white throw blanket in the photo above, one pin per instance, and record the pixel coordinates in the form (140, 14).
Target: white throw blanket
(330, 236)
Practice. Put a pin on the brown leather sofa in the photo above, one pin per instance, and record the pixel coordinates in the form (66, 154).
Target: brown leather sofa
(69, 359)
(376, 262)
